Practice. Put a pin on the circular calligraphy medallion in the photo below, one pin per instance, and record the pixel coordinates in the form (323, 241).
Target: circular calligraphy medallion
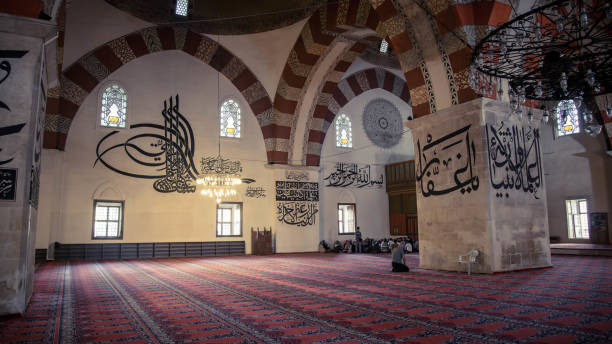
(382, 123)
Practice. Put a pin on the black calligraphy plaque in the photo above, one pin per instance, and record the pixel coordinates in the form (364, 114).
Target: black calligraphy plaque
(297, 191)
(353, 175)
(300, 214)
(8, 184)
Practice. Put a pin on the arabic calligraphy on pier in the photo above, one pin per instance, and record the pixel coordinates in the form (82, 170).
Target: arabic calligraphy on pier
(446, 164)
(514, 159)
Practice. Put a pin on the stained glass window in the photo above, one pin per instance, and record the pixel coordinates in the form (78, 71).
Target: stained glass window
(384, 46)
(577, 218)
(114, 107)
(344, 134)
(108, 219)
(230, 119)
(181, 7)
(567, 118)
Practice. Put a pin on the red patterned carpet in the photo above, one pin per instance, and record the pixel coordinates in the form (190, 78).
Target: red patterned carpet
(312, 298)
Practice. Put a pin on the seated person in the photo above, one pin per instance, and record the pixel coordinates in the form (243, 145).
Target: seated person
(323, 247)
(398, 259)
(408, 247)
(337, 247)
(348, 246)
(384, 246)
(367, 243)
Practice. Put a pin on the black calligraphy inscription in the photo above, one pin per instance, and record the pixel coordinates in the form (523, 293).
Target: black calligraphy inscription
(255, 192)
(35, 168)
(353, 175)
(296, 175)
(514, 159)
(8, 184)
(171, 157)
(297, 191)
(297, 202)
(5, 71)
(451, 155)
(297, 213)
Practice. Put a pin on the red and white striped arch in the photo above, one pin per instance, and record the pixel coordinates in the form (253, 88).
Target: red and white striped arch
(78, 80)
(340, 94)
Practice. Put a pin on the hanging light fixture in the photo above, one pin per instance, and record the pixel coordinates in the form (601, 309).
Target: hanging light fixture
(559, 51)
(218, 176)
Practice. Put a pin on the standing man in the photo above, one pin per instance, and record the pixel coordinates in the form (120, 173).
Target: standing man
(358, 240)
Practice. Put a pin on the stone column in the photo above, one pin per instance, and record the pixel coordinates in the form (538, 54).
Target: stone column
(22, 106)
(480, 185)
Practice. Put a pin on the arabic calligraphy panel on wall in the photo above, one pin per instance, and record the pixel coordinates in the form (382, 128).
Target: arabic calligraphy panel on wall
(297, 202)
(161, 152)
(8, 184)
(446, 164)
(382, 123)
(353, 175)
(514, 159)
(5, 105)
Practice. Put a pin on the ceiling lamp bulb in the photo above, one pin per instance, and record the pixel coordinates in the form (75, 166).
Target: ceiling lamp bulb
(590, 77)
(563, 82)
(584, 18)
(538, 90)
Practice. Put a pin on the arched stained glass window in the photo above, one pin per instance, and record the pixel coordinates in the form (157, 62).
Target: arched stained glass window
(567, 118)
(113, 113)
(230, 119)
(344, 133)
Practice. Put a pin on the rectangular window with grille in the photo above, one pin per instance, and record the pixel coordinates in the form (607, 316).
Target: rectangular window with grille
(577, 218)
(108, 219)
(229, 219)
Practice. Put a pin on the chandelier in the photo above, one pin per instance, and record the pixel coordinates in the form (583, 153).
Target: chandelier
(557, 52)
(219, 176)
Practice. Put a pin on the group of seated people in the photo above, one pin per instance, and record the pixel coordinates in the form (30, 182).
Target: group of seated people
(369, 245)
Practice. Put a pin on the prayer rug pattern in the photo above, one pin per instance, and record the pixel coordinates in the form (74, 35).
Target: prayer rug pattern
(312, 298)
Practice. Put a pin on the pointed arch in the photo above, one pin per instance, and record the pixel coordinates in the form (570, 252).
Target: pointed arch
(80, 78)
(106, 189)
(311, 47)
(341, 94)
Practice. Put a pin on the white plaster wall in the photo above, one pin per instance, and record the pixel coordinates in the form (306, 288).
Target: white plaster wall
(151, 216)
(91, 23)
(576, 166)
(372, 205)
(294, 238)
(265, 53)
